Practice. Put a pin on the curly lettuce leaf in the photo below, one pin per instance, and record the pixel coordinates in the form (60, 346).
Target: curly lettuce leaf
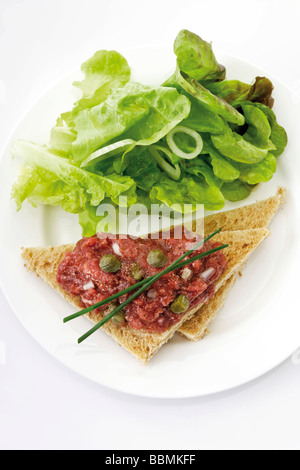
(25, 185)
(260, 92)
(235, 91)
(200, 168)
(259, 129)
(50, 179)
(222, 167)
(103, 72)
(99, 150)
(88, 220)
(278, 134)
(190, 86)
(190, 191)
(259, 135)
(136, 112)
(62, 138)
(195, 57)
(235, 147)
(143, 169)
(202, 118)
(251, 147)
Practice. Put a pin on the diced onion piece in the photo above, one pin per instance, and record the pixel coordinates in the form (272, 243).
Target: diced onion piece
(173, 171)
(152, 294)
(175, 149)
(107, 312)
(186, 274)
(206, 275)
(116, 249)
(89, 285)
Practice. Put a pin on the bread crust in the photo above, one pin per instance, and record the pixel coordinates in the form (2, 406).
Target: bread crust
(257, 215)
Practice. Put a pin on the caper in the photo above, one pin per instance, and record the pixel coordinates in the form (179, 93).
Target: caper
(110, 264)
(180, 304)
(119, 318)
(136, 272)
(157, 258)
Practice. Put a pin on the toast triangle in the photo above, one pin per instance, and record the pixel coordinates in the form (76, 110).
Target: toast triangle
(257, 215)
(196, 328)
(44, 263)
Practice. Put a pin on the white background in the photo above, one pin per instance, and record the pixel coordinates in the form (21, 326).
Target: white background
(42, 404)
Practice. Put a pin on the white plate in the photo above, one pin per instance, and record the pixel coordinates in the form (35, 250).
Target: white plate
(259, 326)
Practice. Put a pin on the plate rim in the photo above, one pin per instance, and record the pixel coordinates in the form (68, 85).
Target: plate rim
(5, 148)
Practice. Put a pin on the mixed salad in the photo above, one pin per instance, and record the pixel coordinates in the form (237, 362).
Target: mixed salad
(196, 139)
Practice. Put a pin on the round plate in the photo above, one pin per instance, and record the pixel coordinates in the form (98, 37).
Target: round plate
(257, 329)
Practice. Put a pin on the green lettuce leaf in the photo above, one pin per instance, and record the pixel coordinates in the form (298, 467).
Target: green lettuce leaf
(136, 112)
(190, 86)
(190, 190)
(259, 172)
(235, 147)
(101, 149)
(222, 167)
(236, 190)
(200, 168)
(104, 72)
(251, 147)
(195, 57)
(278, 134)
(89, 221)
(62, 138)
(201, 117)
(25, 185)
(235, 91)
(52, 180)
(259, 129)
(143, 169)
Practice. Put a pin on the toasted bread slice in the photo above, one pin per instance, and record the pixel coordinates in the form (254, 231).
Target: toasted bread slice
(45, 261)
(256, 215)
(197, 327)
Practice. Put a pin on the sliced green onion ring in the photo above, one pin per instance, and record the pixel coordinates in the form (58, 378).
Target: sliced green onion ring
(176, 150)
(173, 172)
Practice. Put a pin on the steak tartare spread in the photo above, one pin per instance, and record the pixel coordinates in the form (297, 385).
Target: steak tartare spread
(101, 266)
